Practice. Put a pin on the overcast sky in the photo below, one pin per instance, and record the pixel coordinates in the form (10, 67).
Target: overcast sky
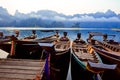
(68, 7)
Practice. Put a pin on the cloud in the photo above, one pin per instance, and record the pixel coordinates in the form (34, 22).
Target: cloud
(109, 16)
(82, 18)
(60, 18)
(86, 18)
(92, 19)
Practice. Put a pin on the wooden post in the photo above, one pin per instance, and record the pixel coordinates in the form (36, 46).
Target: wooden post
(12, 52)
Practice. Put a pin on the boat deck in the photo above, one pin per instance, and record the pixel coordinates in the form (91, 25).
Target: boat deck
(21, 69)
(82, 52)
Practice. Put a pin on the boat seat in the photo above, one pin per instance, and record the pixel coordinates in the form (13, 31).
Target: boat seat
(85, 56)
(58, 46)
(64, 47)
(76, 50)
(91, 51)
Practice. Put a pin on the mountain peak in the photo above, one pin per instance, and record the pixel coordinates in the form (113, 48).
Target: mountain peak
(3, 11)
(110, 12)
(18, 13)
(49, 15)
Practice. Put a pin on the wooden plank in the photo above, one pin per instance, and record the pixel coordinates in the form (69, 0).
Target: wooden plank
(19, 67)
(24, 60)
(10, 79)
(17, 76)
(20, 71)
(32, 64)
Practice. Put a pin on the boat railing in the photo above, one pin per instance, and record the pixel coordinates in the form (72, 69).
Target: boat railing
(112, 47)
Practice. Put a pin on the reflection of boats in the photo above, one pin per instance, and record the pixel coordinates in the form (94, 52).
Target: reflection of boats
(109, 50)
(60, 59)
(86, 61)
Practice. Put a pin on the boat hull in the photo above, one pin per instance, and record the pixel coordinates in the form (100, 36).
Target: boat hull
(79, 71)
(6, 47)
(109, 59)
(107, 55)
(59, 65)
(27, 48)
(32, 51)
(23, 49)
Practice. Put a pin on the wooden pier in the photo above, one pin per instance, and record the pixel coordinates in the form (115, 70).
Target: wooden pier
(21, 69)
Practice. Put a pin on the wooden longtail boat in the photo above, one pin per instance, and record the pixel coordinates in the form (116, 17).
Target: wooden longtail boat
(21, 49)
(48, 43)
(32, 46)
(109, 50)
(5, 41)
(60, 59)
(4, 38)
(47, 39)
(63, 45)
(87, 61)
(27, 48)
